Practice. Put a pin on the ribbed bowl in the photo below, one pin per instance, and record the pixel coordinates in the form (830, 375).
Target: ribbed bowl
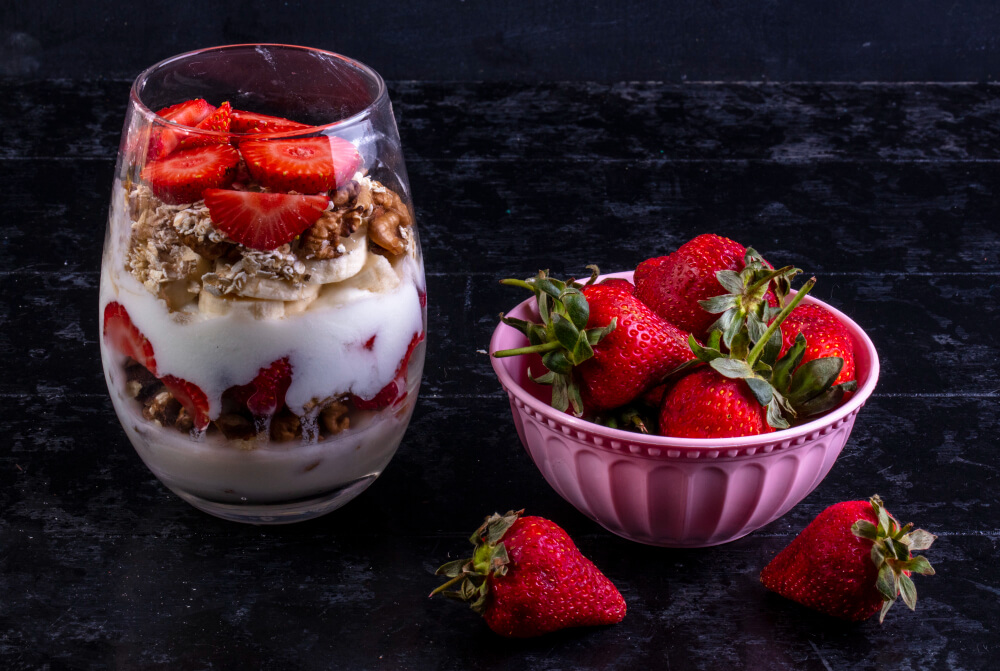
(675, 492)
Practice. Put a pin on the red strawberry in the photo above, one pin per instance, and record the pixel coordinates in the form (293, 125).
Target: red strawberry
(166, 139)
(527, 578)
(673, 285)
(265, 394)
(395, 391)
(263, 221)
(851, 562)
(602, 346)
(217, 121)
(705, 404)
(191, 397)
(255, 124)
(305, 165)
(184, 175)
(640, 351)
(619, 282)
(122, 334)
(825, 336)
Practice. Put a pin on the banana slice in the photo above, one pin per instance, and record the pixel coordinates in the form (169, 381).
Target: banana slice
(278, 290)
(218, 306)
(378, 276)
(298, 307)
(348, 264)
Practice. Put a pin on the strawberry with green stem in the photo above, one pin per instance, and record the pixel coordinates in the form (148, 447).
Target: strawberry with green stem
(787, 389)
(851, 562)
(601, 345)
(526, 578)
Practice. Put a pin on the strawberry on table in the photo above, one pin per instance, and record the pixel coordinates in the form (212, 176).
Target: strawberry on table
(305, 165)
(263, 221)
(256, 124)
(184, 175)
(123, 335)
(851, 562)
(602, 346)
(527, 578)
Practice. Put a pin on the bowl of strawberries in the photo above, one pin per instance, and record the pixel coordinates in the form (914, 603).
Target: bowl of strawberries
(687, 403)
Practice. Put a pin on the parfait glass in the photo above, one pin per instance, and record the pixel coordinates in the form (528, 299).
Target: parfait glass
(262, 299)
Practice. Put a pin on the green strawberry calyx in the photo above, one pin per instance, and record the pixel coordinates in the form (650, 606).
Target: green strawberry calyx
(892, 545)
(789, 391)
(562, 338)
(469, 576)
(747, 295)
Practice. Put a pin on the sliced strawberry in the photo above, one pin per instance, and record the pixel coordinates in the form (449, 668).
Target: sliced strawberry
(263, 221)
(122, 334)
(395, 391)
(181, 177)
(265, 394)
(191, 397)
(217, 121)
(306, 165)
(255, 124)
(190, 113)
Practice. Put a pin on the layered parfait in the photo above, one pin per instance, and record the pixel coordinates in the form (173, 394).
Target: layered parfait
(263, 306)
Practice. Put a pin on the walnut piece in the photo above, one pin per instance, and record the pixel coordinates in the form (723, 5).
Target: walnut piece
(285, 426)
(390, 222)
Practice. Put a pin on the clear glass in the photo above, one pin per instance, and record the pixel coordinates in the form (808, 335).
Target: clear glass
(263, 303)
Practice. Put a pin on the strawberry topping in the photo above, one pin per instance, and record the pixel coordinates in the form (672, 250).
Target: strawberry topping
(306, 165)
(184, 175)
(122, 334)
(256, 124)
(263, 221)
(217, 121)
(190, 113)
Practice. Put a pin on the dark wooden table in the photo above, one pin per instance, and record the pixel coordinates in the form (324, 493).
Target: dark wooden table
(888, 193)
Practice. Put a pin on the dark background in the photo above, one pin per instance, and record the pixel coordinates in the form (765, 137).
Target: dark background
(540, 40)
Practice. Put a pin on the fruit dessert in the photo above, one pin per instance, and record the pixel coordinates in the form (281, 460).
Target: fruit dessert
(263, 307)
(526, 578)
(709, 342)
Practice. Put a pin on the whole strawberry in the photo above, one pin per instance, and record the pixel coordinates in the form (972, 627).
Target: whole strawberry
(635, 356)
(851, 562)
(706, 404)
(601, 345)
(825, 336)
(674, 285)
(527, 578)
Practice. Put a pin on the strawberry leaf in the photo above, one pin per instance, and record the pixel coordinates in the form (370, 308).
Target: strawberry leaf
(731, 281)
(577, 308)
(920, 540)
(909, 591)
(566, 333)
(887, 583)
(732, 368)
(774, 416)
(813, 377)
(761, 389)
(718, 304)
(865, 529)
(919, 565)
(557, 362)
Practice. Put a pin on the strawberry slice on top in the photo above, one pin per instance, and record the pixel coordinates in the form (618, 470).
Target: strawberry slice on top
(189, 113)
(305, 165)
(263, 221)
(256, 124)
(217, 121)
(123, 335)
(184, 175)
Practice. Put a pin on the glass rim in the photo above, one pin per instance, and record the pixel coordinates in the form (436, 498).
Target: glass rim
(380, 92)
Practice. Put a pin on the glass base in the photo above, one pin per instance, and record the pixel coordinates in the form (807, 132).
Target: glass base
(280, 513)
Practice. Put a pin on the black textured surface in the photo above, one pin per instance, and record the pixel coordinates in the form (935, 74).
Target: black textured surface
(886, 192)
(551, 40)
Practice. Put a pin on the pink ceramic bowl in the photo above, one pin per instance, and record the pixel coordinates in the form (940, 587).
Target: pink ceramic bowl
(675, 492)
